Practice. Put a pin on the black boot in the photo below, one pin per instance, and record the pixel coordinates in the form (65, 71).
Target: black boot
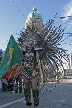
(36, 97)
(27, 94)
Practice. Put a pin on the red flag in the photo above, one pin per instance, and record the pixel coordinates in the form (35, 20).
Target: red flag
(13, 72)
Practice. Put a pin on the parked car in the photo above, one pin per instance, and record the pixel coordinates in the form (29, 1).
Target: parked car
(50, 80)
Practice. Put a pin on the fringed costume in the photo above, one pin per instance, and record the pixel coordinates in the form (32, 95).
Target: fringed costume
(31, 74)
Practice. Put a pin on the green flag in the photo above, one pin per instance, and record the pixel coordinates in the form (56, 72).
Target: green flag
(12, 56)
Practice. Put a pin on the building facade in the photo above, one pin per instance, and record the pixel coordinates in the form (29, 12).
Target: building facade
(35, 19)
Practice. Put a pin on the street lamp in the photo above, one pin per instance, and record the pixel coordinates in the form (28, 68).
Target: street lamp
(64, 17)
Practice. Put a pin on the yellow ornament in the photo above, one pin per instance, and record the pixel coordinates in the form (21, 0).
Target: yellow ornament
(33, 74)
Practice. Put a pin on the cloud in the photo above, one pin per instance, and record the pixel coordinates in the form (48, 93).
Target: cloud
(67, 11)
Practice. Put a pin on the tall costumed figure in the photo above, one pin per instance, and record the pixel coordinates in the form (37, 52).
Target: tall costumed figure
(39, 47)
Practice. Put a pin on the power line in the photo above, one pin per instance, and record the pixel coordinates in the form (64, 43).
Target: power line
(25, 5)
(18, 9)
(29, 11)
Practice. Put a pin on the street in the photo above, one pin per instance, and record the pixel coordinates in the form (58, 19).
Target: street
(51, 96)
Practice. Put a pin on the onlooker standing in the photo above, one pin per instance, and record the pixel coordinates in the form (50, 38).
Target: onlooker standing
(4, 84)
(0, 84)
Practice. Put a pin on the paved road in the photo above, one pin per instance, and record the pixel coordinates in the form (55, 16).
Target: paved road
(59, 96)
